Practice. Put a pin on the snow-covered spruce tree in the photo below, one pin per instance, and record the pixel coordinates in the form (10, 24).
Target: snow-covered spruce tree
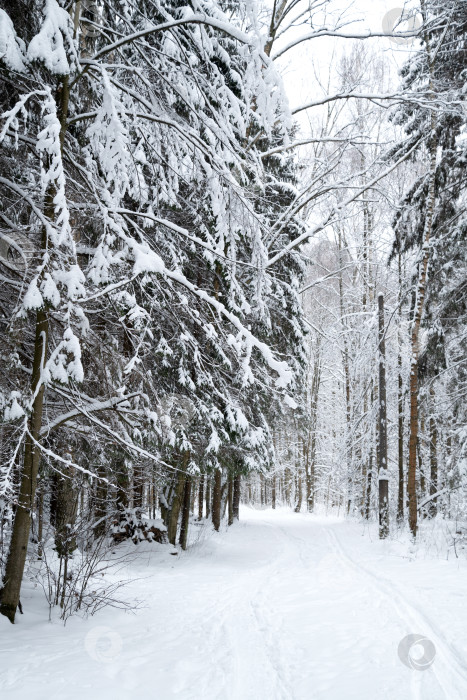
(431, 223)
(124, 157)
(280, 321)
(270, 299)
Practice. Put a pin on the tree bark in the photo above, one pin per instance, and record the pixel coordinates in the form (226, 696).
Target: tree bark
(175, 506)
(100, 501)
(433, 456)
(236, 496)
(382, 428)
(67, 509)
(217, 499)
(400, 445)
(185, 512)
(369, 478)
(400, 408)
(230, 501)
(201, 496)
(208, 496)
(138, 487)
(299, 494)
(40, 523)
(14, 570)
(345, 363)
(418, 310)
(16, 560)
(309, 447)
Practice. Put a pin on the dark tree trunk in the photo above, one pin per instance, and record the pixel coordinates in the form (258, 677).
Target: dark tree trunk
(19, 541)
(67, 508)
(175, 506)
(230, 501)
(201, 497)
(208, 496)
(236, 496)
(298, 494)
(368, 486)
(288, 485)
(217, 499)
(100, 502)
(14, 570)
(194, 496)
(185, 512)
(40, 522)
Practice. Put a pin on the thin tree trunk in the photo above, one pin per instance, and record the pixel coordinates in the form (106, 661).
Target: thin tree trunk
(288, 486)
(14, 570)
(368, 486)
(224, 499)
(16, 560)
(400, 451)
(201, 497)
(154, 495)
(400, 408)
(433, 456)
(185, 512)
(236, 496)
(230, 501)
(194, 495)
(67, 509)
(382, 428)
(176, 506)
(298, 494)
(217, 499)
(345, 362)
(421, 470)
(418, 310)
(100, 501)
(138, 487)
(208, 496)
(310, 447)
(40, 522)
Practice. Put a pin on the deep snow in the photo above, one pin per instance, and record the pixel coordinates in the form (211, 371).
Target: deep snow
(283, 606)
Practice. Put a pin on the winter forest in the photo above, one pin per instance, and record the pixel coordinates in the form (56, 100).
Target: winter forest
(233, 312)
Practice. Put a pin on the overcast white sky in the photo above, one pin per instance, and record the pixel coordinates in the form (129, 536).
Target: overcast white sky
(298, 65)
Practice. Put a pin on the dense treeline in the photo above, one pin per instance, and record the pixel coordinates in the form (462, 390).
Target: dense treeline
(143, 336)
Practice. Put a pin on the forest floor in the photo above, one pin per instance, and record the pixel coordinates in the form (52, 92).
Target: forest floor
(282, 606)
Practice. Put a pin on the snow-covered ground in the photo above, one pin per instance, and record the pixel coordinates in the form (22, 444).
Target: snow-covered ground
(280, 607)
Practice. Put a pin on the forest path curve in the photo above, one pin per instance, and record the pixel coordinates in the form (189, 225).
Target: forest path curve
(282, 606)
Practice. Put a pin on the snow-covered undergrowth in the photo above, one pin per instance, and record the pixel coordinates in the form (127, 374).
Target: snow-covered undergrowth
(437, 538)
(279, 606)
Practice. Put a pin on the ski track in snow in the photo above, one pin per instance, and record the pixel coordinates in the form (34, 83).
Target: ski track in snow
(282, 606)
(451, 669)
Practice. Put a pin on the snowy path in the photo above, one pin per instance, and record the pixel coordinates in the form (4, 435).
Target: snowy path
(281, 607)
